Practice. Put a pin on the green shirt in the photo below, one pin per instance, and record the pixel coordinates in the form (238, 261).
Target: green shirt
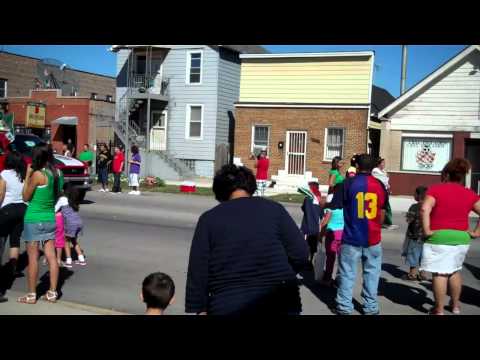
(338, 178)
(42, 205)
(86, 156)
(449, 237)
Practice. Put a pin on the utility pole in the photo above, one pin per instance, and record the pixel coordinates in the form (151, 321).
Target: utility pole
(404, 69)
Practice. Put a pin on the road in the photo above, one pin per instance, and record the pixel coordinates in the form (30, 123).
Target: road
(127, 237)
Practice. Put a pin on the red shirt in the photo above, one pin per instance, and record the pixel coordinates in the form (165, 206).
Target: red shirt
(118, 159)
(453, 203)
(262, 168)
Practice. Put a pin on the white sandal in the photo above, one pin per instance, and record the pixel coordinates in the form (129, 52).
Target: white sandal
(30, 299)
(50, 296)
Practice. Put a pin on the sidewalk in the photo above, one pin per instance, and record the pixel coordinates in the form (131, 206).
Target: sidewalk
(12, 307)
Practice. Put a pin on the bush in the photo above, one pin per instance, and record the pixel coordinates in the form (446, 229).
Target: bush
(151, 181)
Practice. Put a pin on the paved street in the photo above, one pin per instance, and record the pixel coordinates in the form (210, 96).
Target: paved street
(128, 237)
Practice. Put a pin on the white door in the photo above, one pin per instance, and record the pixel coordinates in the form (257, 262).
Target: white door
(295, 156)
(158, 134)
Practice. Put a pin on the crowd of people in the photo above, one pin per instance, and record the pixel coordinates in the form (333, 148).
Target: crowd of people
(247, 252)
(38, 208)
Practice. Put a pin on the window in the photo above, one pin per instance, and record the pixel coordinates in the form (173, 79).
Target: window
(194, 122)
(261, 138)
(93, 96)
(109, 98)
(3, 88)
(194, 67)
(334, 138)
(425, 154)
(189, 163)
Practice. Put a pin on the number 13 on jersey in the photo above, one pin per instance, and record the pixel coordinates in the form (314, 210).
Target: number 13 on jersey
(371, 212)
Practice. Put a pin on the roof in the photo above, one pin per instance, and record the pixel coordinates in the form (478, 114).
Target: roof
(254, 49)
(308, 55)
(428, 80)
(381, 98)
(68, 68)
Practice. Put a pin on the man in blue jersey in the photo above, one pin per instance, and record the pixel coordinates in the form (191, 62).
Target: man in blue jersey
(363, 199)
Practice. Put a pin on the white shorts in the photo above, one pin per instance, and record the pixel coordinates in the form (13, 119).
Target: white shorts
(134, 180)
(443, 259)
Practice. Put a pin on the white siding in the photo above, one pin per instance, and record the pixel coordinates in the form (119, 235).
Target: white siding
(181, 94)
(452, 103)
(228, 94)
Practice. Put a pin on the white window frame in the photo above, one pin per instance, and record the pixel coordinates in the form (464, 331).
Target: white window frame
(187, 122)
(6, 88)
(188, 67)
(252, 142)
(325, 145)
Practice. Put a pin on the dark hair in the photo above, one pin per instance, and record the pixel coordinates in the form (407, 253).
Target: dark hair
(134, 149)
(158, 290)
(42, 157)
(353, 160)
(365, 163)
(73, 196)
(420, 192)
(335, 162)
(230, 178)
(14, 161)
(379, 161)
(456, 170)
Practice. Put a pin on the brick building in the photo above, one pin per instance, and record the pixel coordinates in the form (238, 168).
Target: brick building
(304, 109)
(55, 102)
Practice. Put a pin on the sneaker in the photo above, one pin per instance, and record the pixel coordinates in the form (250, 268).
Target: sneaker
(132, 193)
(81, 262)
(137, 192)
(68, 265)
(390, 227)
(101, 190)
(106, 190)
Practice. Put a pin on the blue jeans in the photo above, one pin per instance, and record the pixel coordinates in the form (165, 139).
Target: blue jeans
(414, 253)
(103, 176)
(371, 258)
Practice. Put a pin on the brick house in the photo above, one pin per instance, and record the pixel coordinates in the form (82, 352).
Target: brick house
(304, 109)
(56, 102)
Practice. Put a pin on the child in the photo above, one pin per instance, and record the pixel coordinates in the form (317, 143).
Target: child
(333, 222)
(413, 245)
(158, 292)
(73, 227)
(312, 214)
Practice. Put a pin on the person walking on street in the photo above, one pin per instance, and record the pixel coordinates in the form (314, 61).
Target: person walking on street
(334, 175)
(117, 169)
(245, 253)
(104, 160)
(135, 163)
(380, 173)
(12, 211)
(445, 218)
(312, 209)
(363, 200)
(41, 189)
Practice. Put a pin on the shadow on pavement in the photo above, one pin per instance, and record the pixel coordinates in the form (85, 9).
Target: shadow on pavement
(87, 202)
(474, 270)
(404, 295)
(393, 270)
(469, 295)
(44, 285)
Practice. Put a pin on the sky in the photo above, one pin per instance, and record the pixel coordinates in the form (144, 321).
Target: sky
(422, 59)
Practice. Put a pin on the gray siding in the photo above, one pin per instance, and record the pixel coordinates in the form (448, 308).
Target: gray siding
(204, 168)
(181, 94)
(228, 94)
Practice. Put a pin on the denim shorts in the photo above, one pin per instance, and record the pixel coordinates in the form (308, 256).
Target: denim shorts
(41, 231)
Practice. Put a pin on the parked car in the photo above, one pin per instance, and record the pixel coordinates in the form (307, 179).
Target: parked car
(74, 171)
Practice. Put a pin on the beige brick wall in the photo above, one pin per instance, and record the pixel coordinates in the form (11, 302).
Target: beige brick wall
(314, 121)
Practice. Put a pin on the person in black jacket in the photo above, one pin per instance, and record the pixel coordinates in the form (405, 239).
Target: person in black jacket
(312, 215)
(245, 253)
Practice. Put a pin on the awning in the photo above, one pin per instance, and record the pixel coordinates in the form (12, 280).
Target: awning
(66, 120)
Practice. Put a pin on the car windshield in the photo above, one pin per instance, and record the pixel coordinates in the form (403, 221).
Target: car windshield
(25, 143)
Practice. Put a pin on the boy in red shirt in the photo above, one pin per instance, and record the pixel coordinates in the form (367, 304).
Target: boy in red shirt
(117, 168)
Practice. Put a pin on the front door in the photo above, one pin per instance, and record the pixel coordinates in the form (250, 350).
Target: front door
(158, 134)
(472, 150)
(295, 156)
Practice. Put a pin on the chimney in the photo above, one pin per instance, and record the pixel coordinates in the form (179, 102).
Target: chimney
(404, 70)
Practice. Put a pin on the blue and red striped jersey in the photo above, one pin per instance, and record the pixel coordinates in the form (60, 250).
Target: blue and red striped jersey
(362, 199)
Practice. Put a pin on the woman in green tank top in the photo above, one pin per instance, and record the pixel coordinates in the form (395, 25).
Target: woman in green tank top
(41, 190)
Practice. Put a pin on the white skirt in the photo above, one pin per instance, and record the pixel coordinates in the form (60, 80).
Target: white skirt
(443, 259)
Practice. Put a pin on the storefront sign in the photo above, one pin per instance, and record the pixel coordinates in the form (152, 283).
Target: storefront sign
(35, 116)
(425, 154)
